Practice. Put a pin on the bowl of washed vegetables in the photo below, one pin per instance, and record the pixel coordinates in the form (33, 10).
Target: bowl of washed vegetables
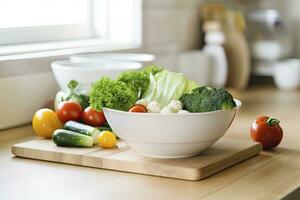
(162, 114)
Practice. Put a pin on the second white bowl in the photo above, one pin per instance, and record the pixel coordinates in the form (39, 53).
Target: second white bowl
(145, 59)
(86, 73)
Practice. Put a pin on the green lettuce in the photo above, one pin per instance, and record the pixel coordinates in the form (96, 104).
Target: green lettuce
(166, 86)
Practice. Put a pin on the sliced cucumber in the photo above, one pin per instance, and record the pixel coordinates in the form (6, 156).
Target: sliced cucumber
(83, 129)
(68, 138)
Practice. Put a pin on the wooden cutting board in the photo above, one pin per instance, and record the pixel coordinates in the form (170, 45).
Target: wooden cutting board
(223, 154)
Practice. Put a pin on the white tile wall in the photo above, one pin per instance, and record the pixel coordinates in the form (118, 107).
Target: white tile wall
(161, 25)
(170, 26)
(24, 95)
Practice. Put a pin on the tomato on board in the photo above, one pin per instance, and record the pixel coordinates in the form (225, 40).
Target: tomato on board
(138, 108)
(266, 131)
(45, 122)
(107, 139)
(69, 110)
(93, 117)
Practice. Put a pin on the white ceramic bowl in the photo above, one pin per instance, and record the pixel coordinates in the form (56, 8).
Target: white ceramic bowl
(87, 73)
(287, 74)
(170, 135)
(145, 59)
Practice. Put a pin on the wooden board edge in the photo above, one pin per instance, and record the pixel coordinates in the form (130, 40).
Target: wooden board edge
(231, 160)
(18, 151)
(13, 150)
(150, 169)
(190, 174)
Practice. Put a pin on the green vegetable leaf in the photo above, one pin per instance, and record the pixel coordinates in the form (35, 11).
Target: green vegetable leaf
(74, 93)
(112, 94)
(139, 80)
(72, 85)
(166, 86)
(152, 69)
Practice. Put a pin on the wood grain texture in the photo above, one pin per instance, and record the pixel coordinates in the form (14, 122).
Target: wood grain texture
(225, 153)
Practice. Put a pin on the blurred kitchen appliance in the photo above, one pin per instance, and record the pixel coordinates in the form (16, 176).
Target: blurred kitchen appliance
(269, 39)
(237, 50)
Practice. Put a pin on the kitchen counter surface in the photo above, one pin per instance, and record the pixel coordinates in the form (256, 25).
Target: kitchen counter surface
(270, 175)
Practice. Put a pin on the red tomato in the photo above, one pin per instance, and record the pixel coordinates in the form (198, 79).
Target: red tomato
(266, 131)
(93, 117)
(69, 110)
(138, 108)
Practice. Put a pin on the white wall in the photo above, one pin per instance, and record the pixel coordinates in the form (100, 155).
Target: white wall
(170, 26)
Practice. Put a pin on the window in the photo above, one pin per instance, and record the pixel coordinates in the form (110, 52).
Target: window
(36, 24)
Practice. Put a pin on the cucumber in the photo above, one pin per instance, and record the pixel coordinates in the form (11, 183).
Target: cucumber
(68, 138)
(83, 129)
(104, 128)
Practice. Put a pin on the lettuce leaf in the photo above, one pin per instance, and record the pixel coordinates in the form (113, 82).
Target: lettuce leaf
(166, 86)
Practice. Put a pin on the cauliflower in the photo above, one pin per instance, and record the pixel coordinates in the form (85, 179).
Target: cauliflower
(154, 107)
(167, 110)
(175, 105)
(142, 102)
(183, 112)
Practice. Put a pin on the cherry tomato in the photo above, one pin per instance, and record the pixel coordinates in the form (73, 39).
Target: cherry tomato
(107, 139)
(93, 117)
(69, 110)
(45, 122)
(138, 108)
(266, 131)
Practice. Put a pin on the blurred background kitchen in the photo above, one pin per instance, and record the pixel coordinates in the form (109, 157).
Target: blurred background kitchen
(238, 44)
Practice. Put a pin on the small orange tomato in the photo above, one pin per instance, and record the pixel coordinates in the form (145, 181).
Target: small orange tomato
(138, 108)
(266, 131)
(107, 139)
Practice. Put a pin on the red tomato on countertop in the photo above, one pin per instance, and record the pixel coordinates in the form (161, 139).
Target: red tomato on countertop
(69, 110)
(93, 117)
(266, 131)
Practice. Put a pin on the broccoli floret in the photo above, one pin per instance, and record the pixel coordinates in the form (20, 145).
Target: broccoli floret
(227, 102)
(112, 94)
(206, 99)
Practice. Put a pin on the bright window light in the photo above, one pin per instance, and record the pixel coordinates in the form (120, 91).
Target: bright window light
(35, 22)
(31, 13)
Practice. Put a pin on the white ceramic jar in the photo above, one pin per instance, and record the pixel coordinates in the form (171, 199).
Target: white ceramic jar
(287, 74)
